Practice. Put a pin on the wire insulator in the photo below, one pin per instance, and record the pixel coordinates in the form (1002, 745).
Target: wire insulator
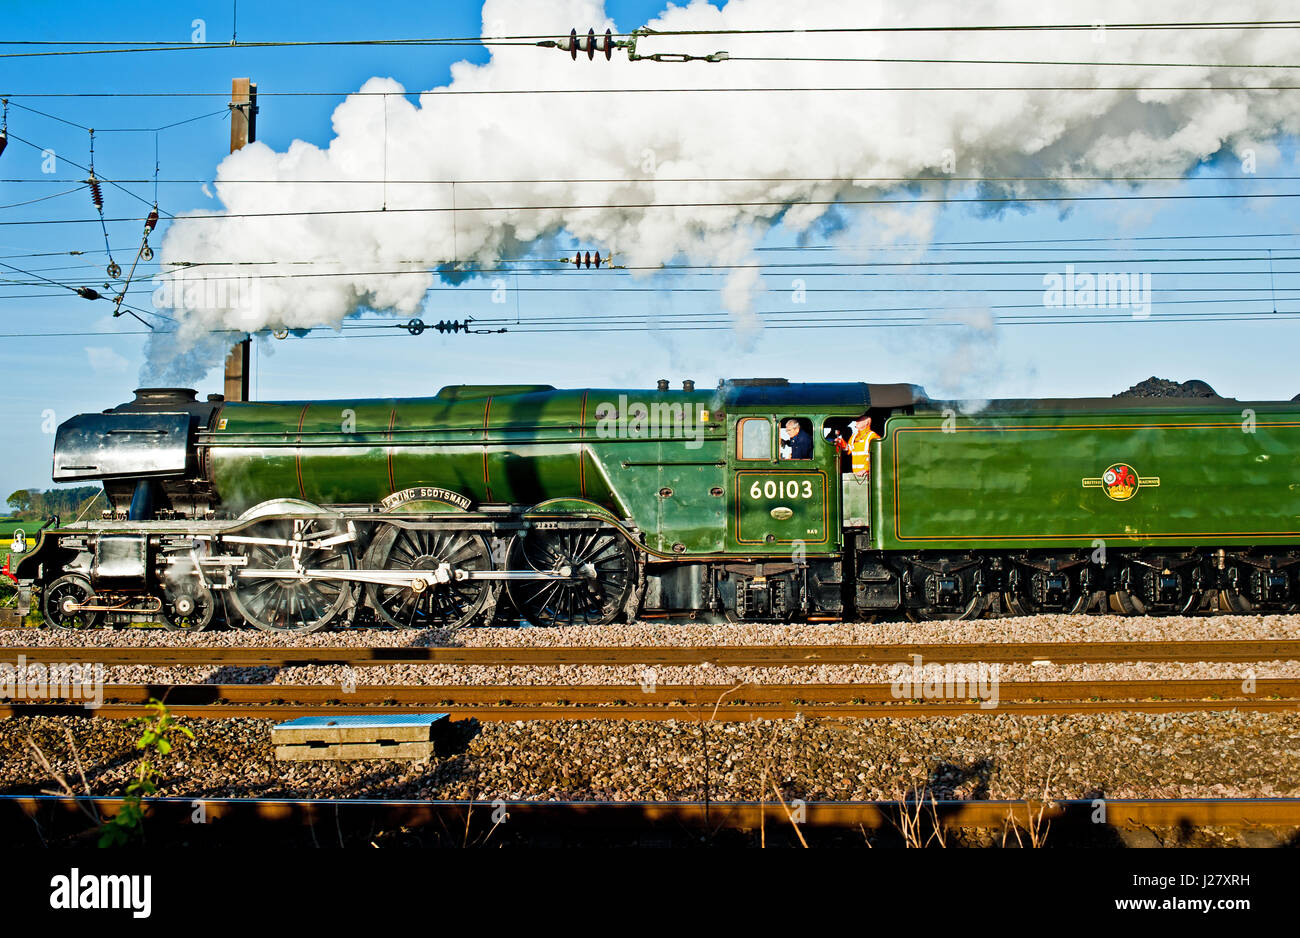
(96, 194)
(4, 141)
(152, 221)
(88, 293)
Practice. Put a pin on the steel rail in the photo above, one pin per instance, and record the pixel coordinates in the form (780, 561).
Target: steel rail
(667, 655)
(699, 694)
(729, 703)
(736, 714)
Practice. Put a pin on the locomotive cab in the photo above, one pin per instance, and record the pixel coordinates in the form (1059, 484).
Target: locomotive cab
(777, 501)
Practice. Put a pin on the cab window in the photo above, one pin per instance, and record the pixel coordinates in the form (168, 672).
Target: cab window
(796, 441)
(754, 438)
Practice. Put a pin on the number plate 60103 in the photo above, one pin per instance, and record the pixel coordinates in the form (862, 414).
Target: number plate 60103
(781, 488)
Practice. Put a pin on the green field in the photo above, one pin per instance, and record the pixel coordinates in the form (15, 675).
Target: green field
(7, 526)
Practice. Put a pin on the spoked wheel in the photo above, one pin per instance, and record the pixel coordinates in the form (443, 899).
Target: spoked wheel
(291, 604)
(599, 566)
(63, 601)
(188, 608)
(430, 604)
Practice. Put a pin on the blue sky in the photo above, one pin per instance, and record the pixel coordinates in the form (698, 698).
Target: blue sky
(60, 376)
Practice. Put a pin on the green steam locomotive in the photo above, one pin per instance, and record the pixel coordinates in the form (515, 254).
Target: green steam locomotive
(567, 507)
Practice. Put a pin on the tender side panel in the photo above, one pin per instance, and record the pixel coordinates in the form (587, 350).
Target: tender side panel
(1200, 479)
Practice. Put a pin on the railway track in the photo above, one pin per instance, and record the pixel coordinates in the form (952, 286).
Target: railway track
(729, 703)
(667, 655)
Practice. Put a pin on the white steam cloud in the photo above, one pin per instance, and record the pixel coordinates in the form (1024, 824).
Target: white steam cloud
(843, 138)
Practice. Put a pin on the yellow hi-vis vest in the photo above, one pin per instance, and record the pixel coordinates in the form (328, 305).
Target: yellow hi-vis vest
(860, 447)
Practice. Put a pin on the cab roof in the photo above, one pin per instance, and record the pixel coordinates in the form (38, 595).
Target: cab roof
(849, 396)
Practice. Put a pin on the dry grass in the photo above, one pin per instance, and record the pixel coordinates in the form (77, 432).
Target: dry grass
(1036, 828)
(916, 829)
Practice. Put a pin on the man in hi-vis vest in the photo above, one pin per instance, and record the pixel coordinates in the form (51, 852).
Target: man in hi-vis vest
(859, 446)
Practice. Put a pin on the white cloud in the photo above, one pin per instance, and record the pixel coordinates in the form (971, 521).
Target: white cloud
(105, 361)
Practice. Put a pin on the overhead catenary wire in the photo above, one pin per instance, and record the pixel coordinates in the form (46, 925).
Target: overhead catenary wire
(44, 198)
(983, 244)
(118, 130)
(576, 291)
(781, 204)
(162, 46)
(91, 295)
(670, 89)
(784, 267)
(881, 60)
(102, 179)
(1105, 317)
(657, 180)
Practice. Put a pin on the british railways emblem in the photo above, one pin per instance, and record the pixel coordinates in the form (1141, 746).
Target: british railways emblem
(1121, 482)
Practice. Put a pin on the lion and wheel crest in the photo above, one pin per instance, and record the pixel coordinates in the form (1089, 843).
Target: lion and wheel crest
(1121, 482)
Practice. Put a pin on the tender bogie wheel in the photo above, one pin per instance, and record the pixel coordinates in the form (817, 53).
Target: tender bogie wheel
(1124, 603)
(291, 604)
(599, 572)
(1020, 605)
(1192, 604)
(1233, 602)
(62, 600)
(973, 609)
(188, 608)
(1015, 604)
(432, 604)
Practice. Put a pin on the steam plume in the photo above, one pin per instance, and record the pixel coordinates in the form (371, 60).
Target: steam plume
(841, 137)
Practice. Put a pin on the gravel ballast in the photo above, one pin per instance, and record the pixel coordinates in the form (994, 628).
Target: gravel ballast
(1044, 628)
(999, 756)
(1039, 628)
